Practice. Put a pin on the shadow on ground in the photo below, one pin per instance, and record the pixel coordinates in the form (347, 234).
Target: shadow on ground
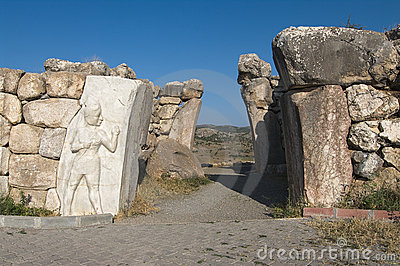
(265, 189)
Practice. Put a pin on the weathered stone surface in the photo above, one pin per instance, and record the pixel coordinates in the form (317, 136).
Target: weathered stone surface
(123, 71)
(169, 100)
(387, 177)
(391, 130)
(362, 137)
(90, 68)
(31, 86)
(5, 128)
(34, 198)
(193, 88)
(310, 56)
(10, 107)
(65, 84)
(32, 171)
(25, 138)
(102, 146)
(257, 96)
(392, 156)
(9, 79)
(367, 103)
(167, 111)
(184, 125)
(52, 142)
(4, 185)
(52, 201)
(4, 159)
(366, 164)
(172, 89)
(173, 159)
(315, 125)
(393, 34)
(251, 66)
(51, 112)
(165, 126)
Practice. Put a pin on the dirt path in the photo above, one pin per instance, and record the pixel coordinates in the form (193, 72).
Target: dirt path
(234, 195)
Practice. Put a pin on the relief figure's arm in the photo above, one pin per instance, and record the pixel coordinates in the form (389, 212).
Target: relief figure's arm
(111, 145)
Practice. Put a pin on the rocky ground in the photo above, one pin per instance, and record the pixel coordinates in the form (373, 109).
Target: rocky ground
(223, 144)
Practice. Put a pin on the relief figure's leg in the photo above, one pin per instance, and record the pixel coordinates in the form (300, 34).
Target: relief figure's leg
(73, 183)
(93, 181)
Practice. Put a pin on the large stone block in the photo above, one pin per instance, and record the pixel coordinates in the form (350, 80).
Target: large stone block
(367, 103)
(366, 164)
(391, 130)
(167, 111)
(51, 112)
(52, 142)
(31, 86)
(4, 160)
(33, 198)
(184, 125)
(174, 159)
(123, 71)
(172, 89)
(251, 66)
(9, 79)
(169, 100)
(392, 156)
(5, 128)
(362, 137)
(90, 68)
(65, 84)
(25, 138)
(102, 146)
(310, 56)
(10, 107)
(193, 88)
(315, 124)
(32, 171)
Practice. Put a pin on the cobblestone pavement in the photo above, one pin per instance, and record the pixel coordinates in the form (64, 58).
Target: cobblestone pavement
(221, 243)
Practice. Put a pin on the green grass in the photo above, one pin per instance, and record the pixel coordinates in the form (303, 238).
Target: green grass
(9, 207)
(289, 209)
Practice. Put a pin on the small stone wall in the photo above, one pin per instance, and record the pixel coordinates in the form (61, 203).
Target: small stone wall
(340, 109)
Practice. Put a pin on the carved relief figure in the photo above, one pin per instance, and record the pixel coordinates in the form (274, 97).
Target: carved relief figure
(85, 145)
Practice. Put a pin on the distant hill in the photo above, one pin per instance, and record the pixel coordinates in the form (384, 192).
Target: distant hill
(223, 144)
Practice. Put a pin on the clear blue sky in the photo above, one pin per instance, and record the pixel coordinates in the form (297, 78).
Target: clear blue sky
(172, 40)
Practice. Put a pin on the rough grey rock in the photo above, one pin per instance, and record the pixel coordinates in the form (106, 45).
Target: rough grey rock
(193, 88)
(173, 159)
(169, 100)
(32, 171)
(315, 124)
(184, 125)
(167, 111)
(165, 126)
(5, 128)
(251, 66)
(172, 89)
(123, 71)
(10, 107)
(65, 84)
(4, 160)
(392, 156)
(366, 164)
(55, 112)
(367, 103)
(52, 142)
(390, 130)
(35, 198)
(90, 68)
(9, 79)
(362, 137)
(31, 86)
(25, 138)
(393, 34)
(312, 56)
(3, 185)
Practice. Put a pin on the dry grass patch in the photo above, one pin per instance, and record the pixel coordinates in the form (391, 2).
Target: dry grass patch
(153, 190)
(361, 233)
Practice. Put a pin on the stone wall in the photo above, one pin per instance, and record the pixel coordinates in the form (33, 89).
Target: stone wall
(261, 93)
(35, 111)
(340, 108)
